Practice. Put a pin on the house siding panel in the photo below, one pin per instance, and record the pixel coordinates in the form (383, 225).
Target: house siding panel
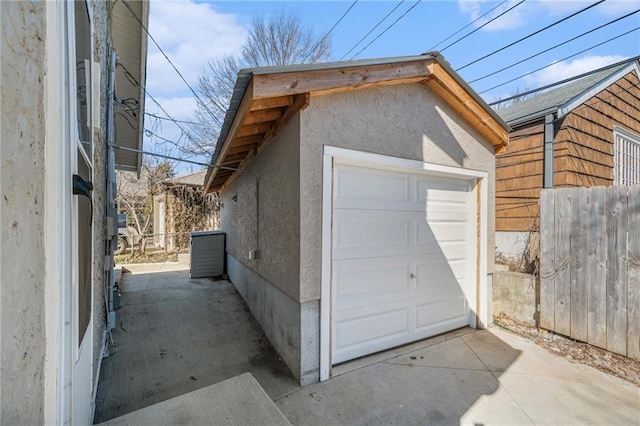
(519, 173)
(583, 152)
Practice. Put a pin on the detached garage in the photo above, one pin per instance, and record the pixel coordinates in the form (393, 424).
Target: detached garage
(357, 199)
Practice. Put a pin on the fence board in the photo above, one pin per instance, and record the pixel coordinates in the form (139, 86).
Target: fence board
(562, 321)
(578, 264)
(597, 267)
(547, 256)
(633, 275)
(616, 270)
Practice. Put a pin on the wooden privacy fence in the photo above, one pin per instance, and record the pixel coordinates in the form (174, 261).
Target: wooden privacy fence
(590, 265)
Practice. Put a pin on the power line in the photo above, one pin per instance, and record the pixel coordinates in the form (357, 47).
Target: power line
(172, 119)
(329, 32)
(563, 59)
(387, 29)
(469, 24)
(174, 67)
(483, 25)
(566, 80)
(554, 47)
(373, 29)
(530, 35)
(135, 82)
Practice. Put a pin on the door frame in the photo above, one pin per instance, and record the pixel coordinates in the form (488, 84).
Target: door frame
(477, 300)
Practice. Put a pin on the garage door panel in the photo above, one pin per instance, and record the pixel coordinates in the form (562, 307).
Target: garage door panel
(448, 312)
(359, 187)
(360, 233)
(438, 277)
(355, 278)
(400, 262)
(440, 185)
(354, 336)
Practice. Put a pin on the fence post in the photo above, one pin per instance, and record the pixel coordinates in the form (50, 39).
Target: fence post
(547, 254)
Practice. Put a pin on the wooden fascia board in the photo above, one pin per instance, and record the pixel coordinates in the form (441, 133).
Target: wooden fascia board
(345, 78)
(300, 102)
(462, 102)
(243, 110)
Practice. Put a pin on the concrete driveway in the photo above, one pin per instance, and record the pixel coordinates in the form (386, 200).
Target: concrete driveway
(177, 337)
(489, 377)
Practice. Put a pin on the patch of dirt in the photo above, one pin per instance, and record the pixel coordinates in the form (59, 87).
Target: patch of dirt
(584, 353)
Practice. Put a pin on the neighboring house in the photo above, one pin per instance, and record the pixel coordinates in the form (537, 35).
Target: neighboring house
(362, 215)
(56, 124)
(180, 206)
(584, 133)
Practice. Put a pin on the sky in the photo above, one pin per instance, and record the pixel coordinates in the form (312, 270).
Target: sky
(194, 32)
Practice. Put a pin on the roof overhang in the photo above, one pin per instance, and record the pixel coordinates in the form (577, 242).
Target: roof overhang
(130, 44)
(599, 87)
(265, 99)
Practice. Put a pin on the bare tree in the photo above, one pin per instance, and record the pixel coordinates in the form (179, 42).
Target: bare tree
(134, 197)
(274, 40)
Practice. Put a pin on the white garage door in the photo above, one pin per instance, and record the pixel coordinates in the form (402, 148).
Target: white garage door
(403, 258)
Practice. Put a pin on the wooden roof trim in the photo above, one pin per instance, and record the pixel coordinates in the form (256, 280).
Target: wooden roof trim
(312, 81)
(300, 102)
(463, 103)
(239, 118)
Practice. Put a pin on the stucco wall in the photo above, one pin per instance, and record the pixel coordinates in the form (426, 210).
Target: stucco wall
(22, 185)
(101, 48)
(405, 121)
(278, 172)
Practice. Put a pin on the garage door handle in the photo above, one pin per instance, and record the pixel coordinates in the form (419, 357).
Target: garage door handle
(413, 277)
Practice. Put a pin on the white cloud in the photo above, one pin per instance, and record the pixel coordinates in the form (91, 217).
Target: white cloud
(566, 69)
(190, 34)
(519, 16)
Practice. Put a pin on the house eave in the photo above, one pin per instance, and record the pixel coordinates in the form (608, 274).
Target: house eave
(265, 99)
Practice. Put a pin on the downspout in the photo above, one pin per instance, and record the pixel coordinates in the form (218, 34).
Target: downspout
(548, 151)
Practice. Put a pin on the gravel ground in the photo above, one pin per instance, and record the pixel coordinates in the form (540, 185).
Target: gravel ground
(614, 364)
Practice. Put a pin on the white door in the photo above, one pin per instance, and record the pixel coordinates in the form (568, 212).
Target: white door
(403, 258)
(80, 305)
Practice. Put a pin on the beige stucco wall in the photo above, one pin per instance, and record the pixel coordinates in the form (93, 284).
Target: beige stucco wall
(277, 169)
(22, 272)
(101, 48)
(405, 121)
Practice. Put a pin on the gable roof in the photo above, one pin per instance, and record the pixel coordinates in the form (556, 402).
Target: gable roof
(265, 99)
(567, 97)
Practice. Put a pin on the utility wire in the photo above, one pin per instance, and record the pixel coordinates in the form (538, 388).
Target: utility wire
(204, 105)
(329, 32)
(563, 59)
(469, 24)
(373, 29)
(172, 119)
(144, 89)
(387, 29)
(483, 25)
(531, 35)
(554, 47)
(566, 80)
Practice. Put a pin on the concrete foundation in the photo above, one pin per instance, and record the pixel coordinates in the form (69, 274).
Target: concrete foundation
(516, 295)
(292, 328)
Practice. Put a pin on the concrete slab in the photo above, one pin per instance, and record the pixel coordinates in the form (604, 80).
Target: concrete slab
(236, 401)
(476, 377)
(175, 335)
